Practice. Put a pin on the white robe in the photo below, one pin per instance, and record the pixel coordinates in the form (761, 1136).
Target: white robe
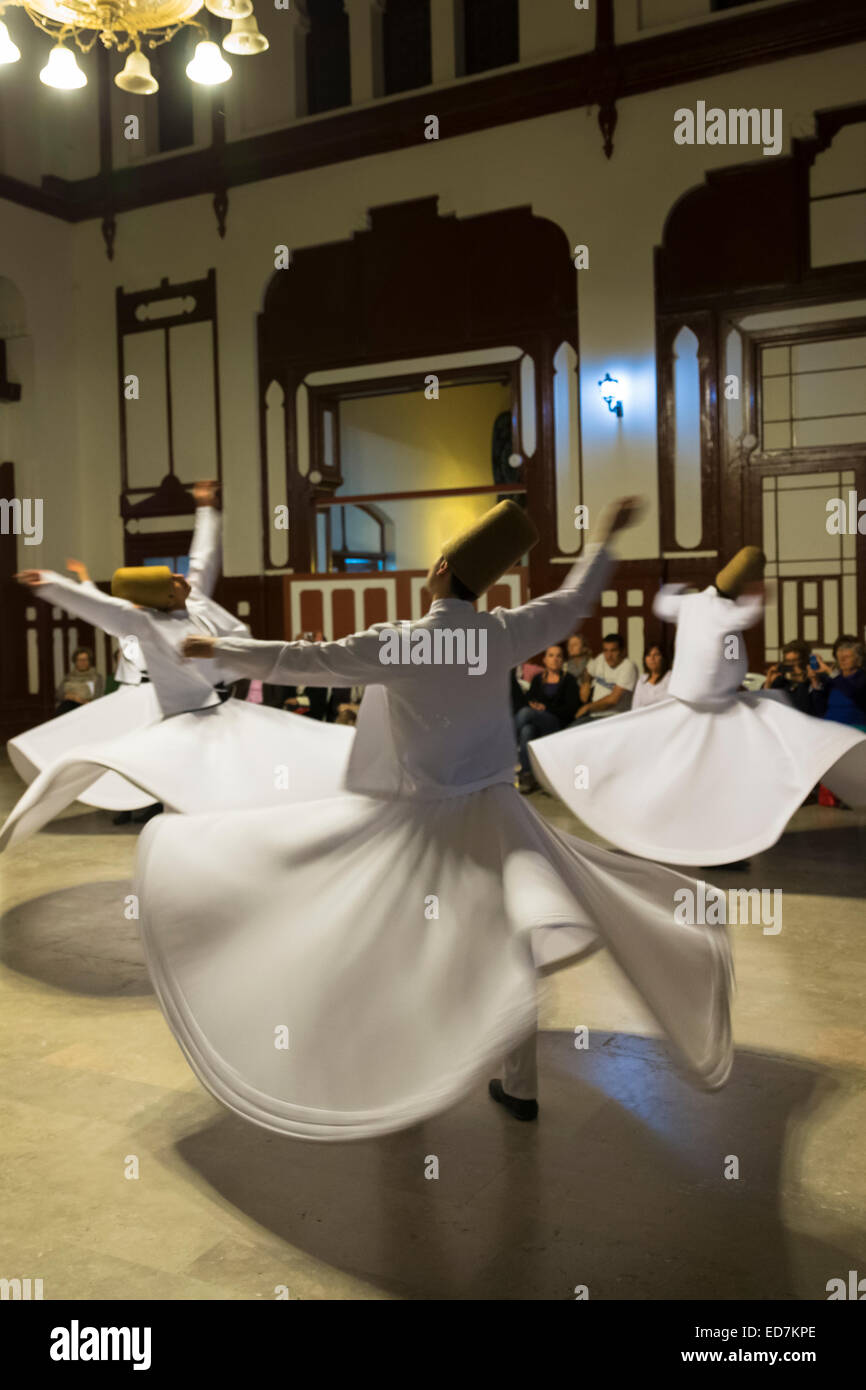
(171, 740)
(710, 775)
(134, 704)
(352, 965)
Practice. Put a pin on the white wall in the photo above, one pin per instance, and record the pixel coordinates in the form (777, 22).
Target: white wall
(554, 164)
(39, 432)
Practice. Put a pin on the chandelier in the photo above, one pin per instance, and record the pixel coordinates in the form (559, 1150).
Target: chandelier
(131, 26)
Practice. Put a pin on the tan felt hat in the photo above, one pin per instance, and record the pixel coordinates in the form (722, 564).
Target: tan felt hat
(147, 585)
(747, 564)
(491, 545)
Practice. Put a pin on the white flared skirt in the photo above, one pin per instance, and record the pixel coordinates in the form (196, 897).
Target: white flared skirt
(232, 755)
(349, 966)
(126, 709)
(687, 784)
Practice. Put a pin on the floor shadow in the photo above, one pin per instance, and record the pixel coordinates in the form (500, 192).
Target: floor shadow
(91, 823)
(77, 939)
(620, 1186)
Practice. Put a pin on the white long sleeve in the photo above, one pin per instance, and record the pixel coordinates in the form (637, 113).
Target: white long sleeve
(113, 615)
(666, 604)
(353, 660)
(205, 552)
(552, 617)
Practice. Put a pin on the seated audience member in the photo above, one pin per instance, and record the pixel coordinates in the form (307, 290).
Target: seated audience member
(653, 684)
(81, 684)
(608, 681)
(552, 701)
(795, 676)
(579, 655)
(841, 695)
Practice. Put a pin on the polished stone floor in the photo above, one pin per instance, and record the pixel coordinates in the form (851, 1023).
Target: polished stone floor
(620, 1186)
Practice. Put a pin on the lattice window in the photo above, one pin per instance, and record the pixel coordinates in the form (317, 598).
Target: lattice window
(813, 394)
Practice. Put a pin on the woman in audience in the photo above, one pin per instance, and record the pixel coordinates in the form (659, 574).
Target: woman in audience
(842, 696)
(81, 684)
(653, 684)
(553, 699)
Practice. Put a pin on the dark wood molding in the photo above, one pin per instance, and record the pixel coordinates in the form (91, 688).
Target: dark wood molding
(360, 301)
(600, 77)
(170, 497)
(702, 324)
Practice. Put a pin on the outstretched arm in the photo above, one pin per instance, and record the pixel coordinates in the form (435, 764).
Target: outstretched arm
(548, 619)
(355, 660)
(205, 552)
(113, 615)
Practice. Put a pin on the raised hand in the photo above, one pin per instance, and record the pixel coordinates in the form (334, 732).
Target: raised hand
(31, 579)
(205, 492)
(78, 567)
(621, 513)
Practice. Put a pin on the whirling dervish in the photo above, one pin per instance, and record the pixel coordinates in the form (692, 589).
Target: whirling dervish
(132, 705)
(356, 964)
(201, 749)
(714, 773)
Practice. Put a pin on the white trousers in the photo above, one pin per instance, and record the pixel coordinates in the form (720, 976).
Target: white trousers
(520, 1071)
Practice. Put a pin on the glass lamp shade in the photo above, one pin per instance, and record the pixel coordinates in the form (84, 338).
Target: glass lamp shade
(9, 52)
(229, 9)
(208, 66)
(137, 76)
(244, 37)
(62, 71)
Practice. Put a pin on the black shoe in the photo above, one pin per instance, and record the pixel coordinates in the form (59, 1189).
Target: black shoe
(520, 1109)
(147, 813)
(526, 784)
(122, 818)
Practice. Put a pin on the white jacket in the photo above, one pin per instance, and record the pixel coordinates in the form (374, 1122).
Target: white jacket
(431, 730)
(179, 684)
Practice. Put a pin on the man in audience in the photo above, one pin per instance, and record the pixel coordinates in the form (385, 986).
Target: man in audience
(796, 676)
(608, 681)
(579, 655)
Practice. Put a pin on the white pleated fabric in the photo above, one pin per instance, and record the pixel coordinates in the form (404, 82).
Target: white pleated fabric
(234, 754)
(125, 710)
(694, 785)
(710, 775)
(394, 943)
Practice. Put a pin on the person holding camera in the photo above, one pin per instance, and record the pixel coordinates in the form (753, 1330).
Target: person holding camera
(797, 674)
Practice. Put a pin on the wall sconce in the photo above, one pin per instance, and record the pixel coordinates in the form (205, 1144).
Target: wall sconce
(611, 394)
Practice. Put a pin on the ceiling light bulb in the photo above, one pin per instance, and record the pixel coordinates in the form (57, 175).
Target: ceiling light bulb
(229, 9)
(62, 71)
(137, 76)
(244, 37)
(9, 52)
(208, 66)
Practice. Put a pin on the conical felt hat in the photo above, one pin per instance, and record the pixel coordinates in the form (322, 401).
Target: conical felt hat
(147, 585)
(481, 554)
(747, 564)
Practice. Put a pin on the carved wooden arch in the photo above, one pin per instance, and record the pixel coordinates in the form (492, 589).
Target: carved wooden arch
(415, 284)
(737, 242)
